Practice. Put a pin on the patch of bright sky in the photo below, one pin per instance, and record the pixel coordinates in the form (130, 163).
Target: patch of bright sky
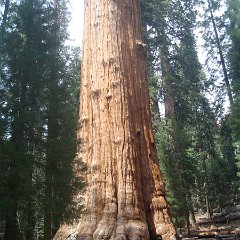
(76, 24)
(76, 32)
(76, 28)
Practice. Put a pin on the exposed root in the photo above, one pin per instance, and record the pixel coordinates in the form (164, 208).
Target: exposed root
(111, 229)
(83, 237)
(85, 229)
(66, 233)
(107, 229)
(111, 225)
(161, 218)
(120, 237)
(107, 225)
(132, 230)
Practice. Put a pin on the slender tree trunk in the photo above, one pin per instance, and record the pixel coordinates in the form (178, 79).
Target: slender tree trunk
(4, 18)
(30, 208)
(125, 196)
(47, 206)
(2, 31)
(168, 92)
(51, 162)
(51, 155)
(225, 74)
(192, 218)
(30, 222)
(53, 134)
(209, 215)
(187, 221)
(29, 76)
(12, 231)
(208, 206)
(170, 116)
(11, 224)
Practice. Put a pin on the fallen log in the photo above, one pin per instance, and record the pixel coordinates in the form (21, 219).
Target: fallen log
(215, 233)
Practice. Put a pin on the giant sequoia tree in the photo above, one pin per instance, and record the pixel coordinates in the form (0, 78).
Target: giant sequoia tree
(125, 196)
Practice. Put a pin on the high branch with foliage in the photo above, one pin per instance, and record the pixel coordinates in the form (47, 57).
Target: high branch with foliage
(195, 115)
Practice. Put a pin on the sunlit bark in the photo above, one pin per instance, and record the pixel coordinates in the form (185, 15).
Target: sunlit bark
(125, 196)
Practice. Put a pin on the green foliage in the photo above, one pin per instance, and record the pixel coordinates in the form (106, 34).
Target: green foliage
(193, 147)
(233, 29)
(39, 85)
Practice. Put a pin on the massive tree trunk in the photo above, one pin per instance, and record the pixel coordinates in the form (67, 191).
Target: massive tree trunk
(125, 196)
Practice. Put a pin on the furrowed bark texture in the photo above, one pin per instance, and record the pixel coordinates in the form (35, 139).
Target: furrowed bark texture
(125, 196)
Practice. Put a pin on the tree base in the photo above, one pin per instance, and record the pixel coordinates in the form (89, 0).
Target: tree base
(126, 223)
(119, 230)
(130, 230)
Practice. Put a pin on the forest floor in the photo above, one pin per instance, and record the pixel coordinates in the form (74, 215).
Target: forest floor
(224, 225)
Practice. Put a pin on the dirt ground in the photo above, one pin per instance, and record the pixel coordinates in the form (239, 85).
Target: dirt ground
(205, 228)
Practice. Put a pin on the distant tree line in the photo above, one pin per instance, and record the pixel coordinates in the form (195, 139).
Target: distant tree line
(197, 124)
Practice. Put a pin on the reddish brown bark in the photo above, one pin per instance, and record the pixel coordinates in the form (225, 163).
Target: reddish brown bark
(125, 196)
